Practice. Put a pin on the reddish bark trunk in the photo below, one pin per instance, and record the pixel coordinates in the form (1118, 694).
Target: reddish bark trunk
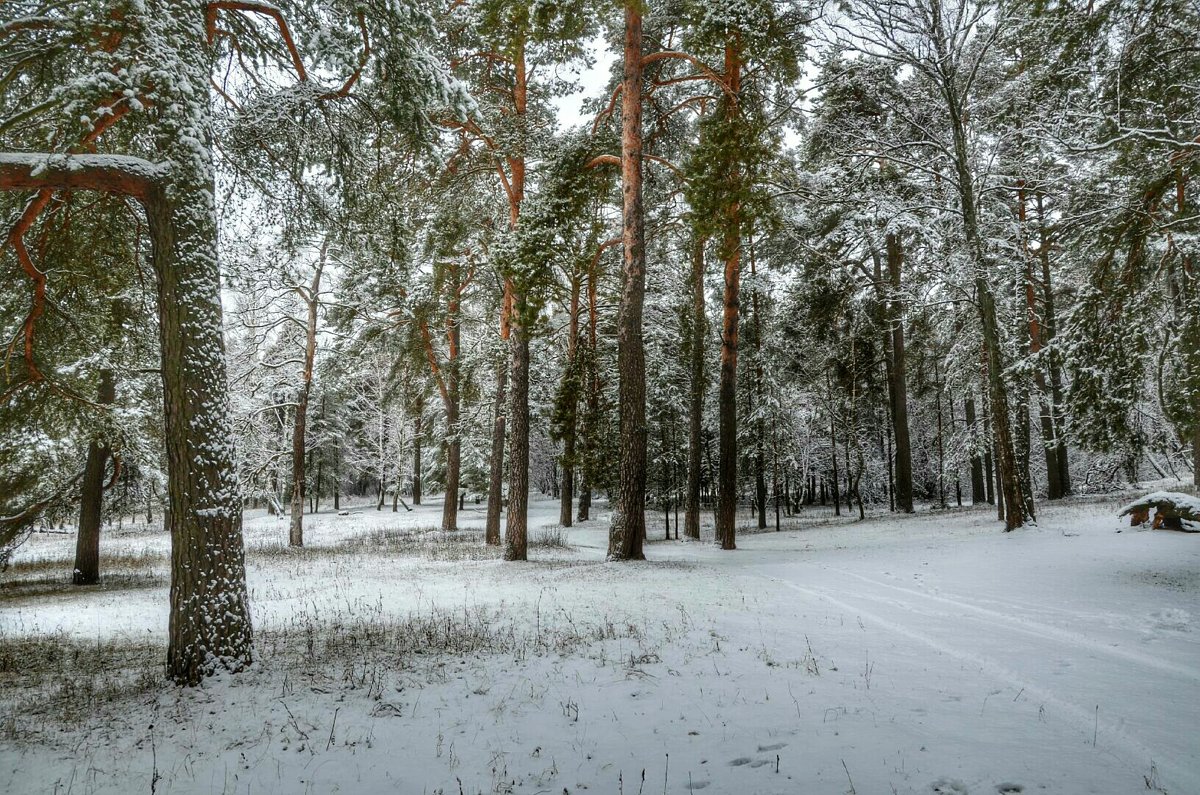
(628, 527)
(727, 395)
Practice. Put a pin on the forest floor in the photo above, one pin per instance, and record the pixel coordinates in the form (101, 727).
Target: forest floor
(930, 653)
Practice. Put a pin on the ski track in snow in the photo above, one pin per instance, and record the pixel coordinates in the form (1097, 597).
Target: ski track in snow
(1133, 749)
(1035, 628)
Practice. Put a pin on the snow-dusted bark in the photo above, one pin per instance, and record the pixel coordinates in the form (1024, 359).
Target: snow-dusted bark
(210, 618)
(628, 529)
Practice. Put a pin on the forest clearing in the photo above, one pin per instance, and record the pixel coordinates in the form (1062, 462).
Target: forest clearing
(921, 652)
(471, 396)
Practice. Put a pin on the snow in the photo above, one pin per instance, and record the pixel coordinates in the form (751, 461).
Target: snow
(921, 654)
(1182, 502)
(40, 162)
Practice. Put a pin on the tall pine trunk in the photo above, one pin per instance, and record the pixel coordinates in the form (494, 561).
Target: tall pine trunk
(453, 398)
(727, 393)
(210, 618)
(691, 521)
(300, 419)
(418, 439)
(1018, 506)
(1053, 360)
(628, 528)
(837, 500)
(91, 503)
(566, 515)
(978, 489)
(495, 498)
(760, 431)
(593, 394)
(897, 376)
(516, 533)
(517, 516)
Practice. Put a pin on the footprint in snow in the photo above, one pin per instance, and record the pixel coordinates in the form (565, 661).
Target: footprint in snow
(1172, 619)
(771, 747)
(760, 762)
(741, 760)
(1009, 789)
(695, 785)
(948, 786)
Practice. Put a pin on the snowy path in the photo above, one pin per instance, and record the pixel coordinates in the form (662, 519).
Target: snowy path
(1119, 668)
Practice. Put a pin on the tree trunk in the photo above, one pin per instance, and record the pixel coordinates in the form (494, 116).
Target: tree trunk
(296, 519)
(337, 478)
(453, 398)
(1017, 508)
(210, 618)
(87, 543)
(628, 528)
(585, 502)
(418, 440)
(760, 433)
(837, 500)
(517, 519)
(453, 467)
(1053, 360)
(897, 377)
(1044, 400)
(1196, 455)
(593, 391)
(691, 521)
(941, 443)
(300, 420)
(495, 483)
(571, 420)
(957, 480)
(775, 475)
(517, 334)
(978, 491)
(727, 395)
(1018, 504)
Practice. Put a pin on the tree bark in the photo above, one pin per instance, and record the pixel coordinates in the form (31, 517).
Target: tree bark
(300, 420)
(495, 483)
(837, 500)
(517, 516)
(593, 394)
(517, 519)
(570, 426)
(87, 543)
(455, 284)
(1196, 455)
(978, 491)
(1017, 508)
(628, 528)
(691, 521)
(760, 460)
(1053, 360)
(418, 440)
(727, 394)
(941, 441)
(210, 618)
(1044, 400)
(897, 376)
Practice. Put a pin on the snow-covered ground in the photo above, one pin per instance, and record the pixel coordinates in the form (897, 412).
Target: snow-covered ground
(922, 654)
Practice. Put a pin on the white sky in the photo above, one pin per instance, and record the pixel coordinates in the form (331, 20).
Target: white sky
(592, 80)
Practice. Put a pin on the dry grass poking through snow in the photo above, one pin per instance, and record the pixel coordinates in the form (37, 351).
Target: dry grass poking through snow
(326, 639)
(51, 683)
